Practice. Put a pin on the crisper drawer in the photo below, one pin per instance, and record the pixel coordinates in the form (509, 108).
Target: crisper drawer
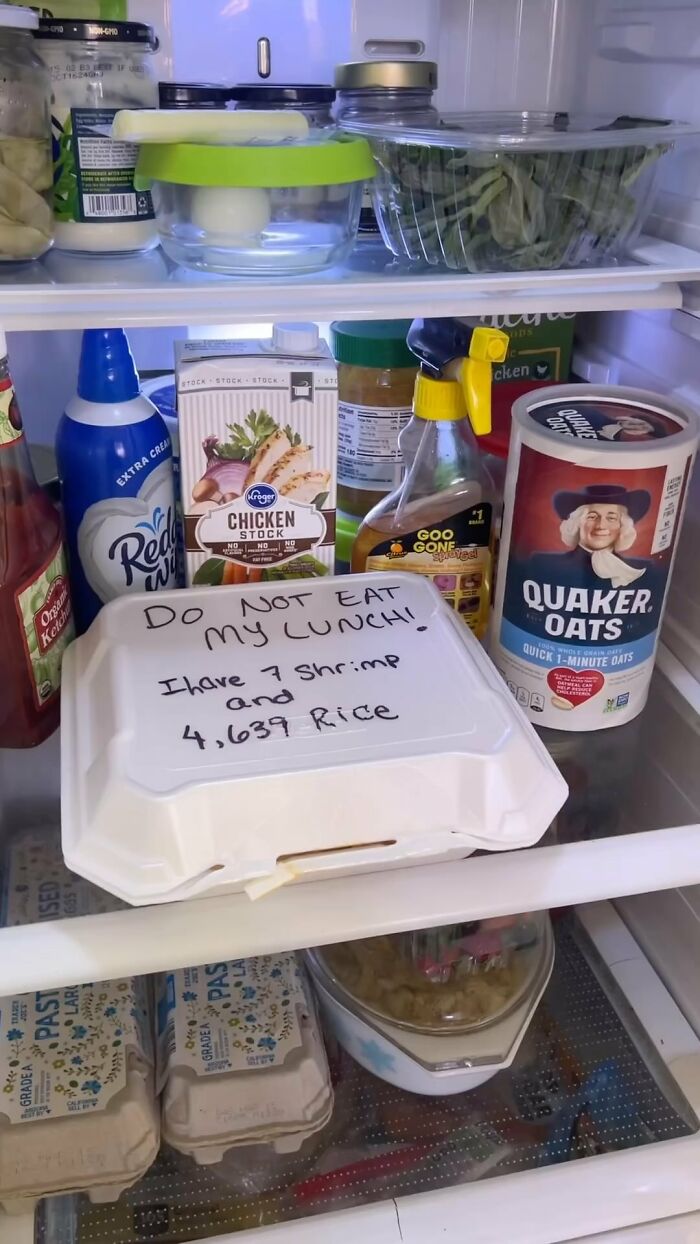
(593, 1129)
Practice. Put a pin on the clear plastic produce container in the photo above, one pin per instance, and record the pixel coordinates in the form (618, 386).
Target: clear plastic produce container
(257, 209)
(490, 192)
(452, 979)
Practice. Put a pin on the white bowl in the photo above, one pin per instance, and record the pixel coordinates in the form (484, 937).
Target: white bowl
(437, 1065)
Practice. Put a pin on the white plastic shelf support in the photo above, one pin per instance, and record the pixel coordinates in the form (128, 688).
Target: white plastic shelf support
(655, 846)
(72, 292)
(174, 935)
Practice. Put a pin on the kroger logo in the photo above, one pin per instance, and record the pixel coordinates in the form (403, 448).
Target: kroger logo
(261, 496)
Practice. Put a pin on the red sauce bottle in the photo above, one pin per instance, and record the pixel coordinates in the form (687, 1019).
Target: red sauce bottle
(36, 620)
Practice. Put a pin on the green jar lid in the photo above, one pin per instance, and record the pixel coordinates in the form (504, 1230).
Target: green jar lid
(331, 162)
(346, 529)
(372, 343)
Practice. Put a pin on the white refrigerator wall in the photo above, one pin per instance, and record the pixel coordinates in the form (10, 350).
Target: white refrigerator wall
(657, 350)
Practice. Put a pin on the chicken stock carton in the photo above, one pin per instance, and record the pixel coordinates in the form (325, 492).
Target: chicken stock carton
(258, 452)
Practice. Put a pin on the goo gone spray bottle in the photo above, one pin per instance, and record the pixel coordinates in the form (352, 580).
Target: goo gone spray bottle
(439, 521)
(597, 479)
(115, 463)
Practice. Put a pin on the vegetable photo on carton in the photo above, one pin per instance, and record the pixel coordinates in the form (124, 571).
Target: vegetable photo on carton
(258, 452)
(259, 448)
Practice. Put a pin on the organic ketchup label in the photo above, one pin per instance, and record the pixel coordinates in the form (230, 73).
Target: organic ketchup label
(46, 619)
(10, 418)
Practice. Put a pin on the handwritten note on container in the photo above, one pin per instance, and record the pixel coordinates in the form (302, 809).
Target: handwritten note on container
(211, 737)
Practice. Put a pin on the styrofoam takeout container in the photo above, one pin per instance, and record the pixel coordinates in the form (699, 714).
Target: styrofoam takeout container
(246, 737)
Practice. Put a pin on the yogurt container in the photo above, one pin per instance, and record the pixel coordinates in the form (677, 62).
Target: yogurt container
(78, 1111)
(596, 485)
(241, 1060)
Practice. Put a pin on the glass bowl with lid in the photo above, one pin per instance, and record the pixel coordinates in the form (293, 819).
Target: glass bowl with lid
(257, 209)
(456, 979)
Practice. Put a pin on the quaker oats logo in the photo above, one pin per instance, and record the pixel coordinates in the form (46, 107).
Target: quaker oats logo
(301, 386)
(261, 496)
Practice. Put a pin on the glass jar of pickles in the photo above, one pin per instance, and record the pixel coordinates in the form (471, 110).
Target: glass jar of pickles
(26, 167)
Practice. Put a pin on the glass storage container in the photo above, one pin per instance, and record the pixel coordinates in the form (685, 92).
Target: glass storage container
(98, 68)
(400, 91)
(396, 91)
(257, 209)
(454, 979)
(26, 168)
(376, 378)
(210, 96)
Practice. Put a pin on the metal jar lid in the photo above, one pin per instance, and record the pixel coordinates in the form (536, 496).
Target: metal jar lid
(97, 32)
(193, 95)
(373, 75)
(283, 93)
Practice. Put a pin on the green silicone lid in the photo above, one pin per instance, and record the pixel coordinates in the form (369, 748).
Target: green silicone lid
(346, 529)
(331, 162)
(372, 343)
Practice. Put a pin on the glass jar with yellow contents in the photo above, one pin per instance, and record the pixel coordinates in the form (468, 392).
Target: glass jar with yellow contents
(376, 377)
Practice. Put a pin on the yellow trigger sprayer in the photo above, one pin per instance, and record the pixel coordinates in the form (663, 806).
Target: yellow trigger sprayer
(439, 522)
(457, 360)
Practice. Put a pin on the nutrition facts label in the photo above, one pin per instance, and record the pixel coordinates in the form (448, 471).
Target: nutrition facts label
(104, 170)
(668, 511)
(368, 445)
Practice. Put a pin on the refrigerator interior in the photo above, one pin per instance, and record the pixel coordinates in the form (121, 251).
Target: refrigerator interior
(593, 1128)
(636, 1011)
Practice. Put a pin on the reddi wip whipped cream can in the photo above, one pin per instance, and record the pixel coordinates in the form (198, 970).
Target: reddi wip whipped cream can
(597, 480)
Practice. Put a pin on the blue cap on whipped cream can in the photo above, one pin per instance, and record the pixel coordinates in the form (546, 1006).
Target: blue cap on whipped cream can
(597, 480)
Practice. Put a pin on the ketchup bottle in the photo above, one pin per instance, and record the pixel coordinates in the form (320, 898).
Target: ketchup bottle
(36, 620)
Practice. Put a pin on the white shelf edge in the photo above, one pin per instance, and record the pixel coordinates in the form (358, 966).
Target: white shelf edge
(347, 1229)
(684, 1229)
(159, 938)
(653, 282)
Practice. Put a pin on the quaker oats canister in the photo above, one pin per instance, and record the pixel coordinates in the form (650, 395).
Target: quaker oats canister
(596, 484)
